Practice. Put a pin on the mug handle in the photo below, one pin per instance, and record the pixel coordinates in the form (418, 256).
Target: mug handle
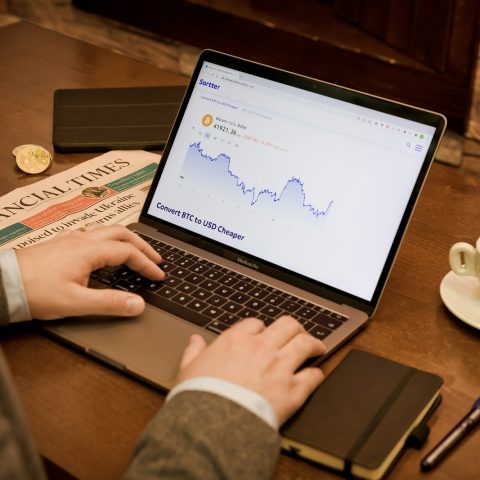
(470, 259)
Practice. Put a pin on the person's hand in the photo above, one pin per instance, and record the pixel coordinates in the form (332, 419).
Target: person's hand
(262, 359)
(55, 273)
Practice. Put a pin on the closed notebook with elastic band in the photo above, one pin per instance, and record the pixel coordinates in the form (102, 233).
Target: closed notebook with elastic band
(359, 420)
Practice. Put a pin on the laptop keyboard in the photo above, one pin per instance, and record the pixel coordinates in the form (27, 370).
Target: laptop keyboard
(214, 297)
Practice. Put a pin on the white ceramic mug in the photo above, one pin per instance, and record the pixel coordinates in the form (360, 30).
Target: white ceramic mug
(465, 259)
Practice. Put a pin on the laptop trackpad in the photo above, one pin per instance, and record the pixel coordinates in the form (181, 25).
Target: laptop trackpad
(150, 346)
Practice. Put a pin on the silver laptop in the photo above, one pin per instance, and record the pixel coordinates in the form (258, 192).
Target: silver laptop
(276, 193)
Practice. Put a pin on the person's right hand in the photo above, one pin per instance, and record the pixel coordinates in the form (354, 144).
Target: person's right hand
(262, 359)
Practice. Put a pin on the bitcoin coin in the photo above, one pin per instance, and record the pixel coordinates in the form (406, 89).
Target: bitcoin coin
(33, 159)
(17, 149)
(95, 192)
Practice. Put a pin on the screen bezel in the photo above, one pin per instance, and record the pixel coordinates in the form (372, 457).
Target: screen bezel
(362, 99)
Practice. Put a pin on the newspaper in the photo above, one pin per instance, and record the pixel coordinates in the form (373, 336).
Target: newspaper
(107, 189)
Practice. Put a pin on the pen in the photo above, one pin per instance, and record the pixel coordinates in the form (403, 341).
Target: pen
(458, 432)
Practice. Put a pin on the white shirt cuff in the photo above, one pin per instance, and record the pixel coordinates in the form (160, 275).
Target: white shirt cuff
(18, 309)
(252, 401)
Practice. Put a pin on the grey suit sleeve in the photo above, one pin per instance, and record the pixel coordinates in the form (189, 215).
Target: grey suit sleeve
(18, 458)
(200, 435)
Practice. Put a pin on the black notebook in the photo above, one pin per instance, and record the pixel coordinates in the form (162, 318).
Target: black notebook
(359, 419)
(99, 119)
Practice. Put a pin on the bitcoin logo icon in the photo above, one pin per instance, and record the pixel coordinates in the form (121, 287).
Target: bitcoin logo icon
(207, 120)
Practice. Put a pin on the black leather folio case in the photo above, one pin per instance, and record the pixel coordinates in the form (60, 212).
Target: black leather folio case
(100, 119)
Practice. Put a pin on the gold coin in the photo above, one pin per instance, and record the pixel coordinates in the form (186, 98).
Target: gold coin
(20, 147)
(33, 159)
(95, 192)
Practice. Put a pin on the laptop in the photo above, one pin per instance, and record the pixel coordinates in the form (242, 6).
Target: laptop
(276, 193)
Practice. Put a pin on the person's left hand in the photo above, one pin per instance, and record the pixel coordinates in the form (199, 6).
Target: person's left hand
(55, 273)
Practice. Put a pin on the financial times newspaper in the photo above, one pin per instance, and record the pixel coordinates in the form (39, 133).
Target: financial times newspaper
(108, 189)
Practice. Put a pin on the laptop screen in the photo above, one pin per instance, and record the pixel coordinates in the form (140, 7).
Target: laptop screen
(305, 181)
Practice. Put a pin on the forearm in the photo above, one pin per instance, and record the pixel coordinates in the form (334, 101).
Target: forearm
(200, 435)
(13, 301)
(4, 314)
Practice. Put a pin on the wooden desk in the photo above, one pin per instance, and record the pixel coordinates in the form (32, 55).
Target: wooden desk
(85, 417)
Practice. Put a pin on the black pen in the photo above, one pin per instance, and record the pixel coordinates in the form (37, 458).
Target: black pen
(458, 432)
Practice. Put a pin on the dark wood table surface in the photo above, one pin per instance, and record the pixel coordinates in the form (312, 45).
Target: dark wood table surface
(85, 416)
